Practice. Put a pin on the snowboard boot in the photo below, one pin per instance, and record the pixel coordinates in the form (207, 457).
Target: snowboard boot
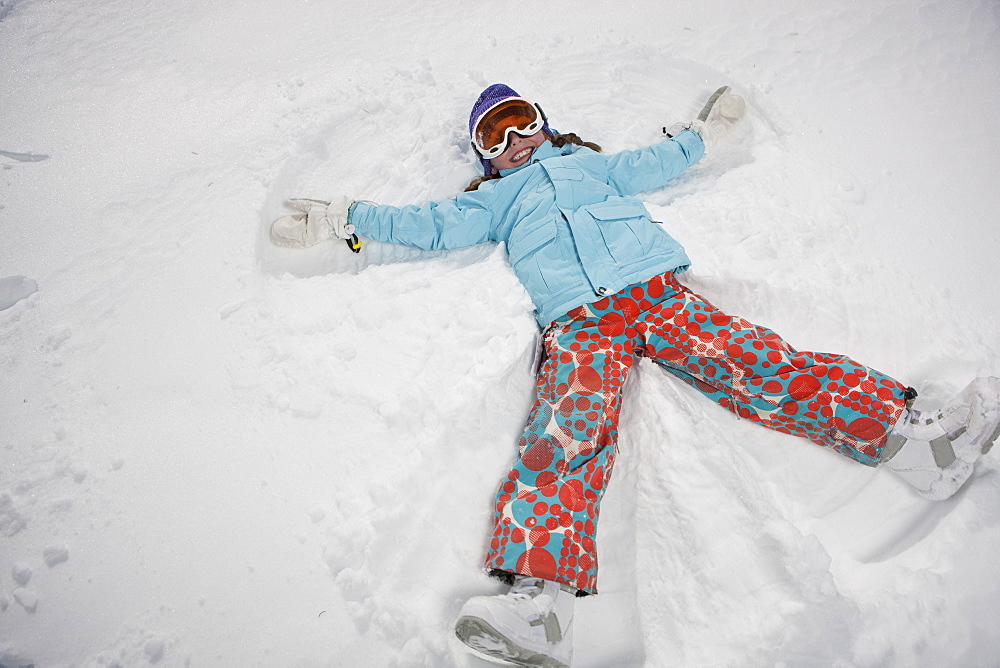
(935, 451)
(531, 625)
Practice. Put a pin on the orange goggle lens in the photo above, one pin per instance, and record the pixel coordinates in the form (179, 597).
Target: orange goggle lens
(511, 115)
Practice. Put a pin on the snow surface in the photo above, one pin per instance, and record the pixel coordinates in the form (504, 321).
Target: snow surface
(217, 453)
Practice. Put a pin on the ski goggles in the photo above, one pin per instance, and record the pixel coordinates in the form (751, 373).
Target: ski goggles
(514, 114)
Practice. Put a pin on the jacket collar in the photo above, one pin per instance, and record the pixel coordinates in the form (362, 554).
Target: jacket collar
(544, 151)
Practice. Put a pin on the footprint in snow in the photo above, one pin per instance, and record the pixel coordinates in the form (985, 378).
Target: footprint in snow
(55, 555)
(23, 157)
(21, 574)
(26, 598)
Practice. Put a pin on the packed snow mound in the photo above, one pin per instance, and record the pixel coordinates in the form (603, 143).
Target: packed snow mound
(15, 288)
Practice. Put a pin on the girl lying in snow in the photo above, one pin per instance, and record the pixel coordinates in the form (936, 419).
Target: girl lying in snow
(604, 280)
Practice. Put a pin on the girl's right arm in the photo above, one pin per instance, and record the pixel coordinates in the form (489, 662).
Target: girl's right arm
(466, 220)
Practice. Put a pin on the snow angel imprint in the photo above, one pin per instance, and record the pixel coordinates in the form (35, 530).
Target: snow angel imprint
(604, 279)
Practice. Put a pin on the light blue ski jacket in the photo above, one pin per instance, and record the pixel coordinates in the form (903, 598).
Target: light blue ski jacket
(573, 231)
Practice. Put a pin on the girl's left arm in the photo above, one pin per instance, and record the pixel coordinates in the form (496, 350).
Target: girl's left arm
(464, 221)
(633, 172)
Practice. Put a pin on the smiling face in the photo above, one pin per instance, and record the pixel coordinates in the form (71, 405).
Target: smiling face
(519, 150)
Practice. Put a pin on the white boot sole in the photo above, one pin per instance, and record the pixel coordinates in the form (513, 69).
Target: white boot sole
(486, 641)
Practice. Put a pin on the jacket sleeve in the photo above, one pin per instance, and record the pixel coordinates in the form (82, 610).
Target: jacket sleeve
(464, 221)
(633, 172)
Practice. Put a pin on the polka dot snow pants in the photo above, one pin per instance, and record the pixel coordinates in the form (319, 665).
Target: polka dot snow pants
(545, 518)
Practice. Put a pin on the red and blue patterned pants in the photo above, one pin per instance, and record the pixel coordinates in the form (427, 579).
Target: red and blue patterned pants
(545, 520)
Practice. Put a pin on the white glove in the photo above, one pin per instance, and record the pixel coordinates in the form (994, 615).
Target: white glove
(721, 113)
(318, 222)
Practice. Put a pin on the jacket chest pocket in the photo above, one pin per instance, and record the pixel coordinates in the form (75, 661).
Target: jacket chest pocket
(524, 242)
(529, 250)
(626, 228)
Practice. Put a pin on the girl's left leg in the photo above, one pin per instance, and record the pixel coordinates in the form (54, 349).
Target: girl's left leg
(827, 398)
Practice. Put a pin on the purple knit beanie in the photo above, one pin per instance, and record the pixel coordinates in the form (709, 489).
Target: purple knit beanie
(493, 94)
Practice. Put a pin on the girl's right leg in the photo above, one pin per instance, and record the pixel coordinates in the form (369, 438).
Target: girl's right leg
(545, 519)
(546, 513)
